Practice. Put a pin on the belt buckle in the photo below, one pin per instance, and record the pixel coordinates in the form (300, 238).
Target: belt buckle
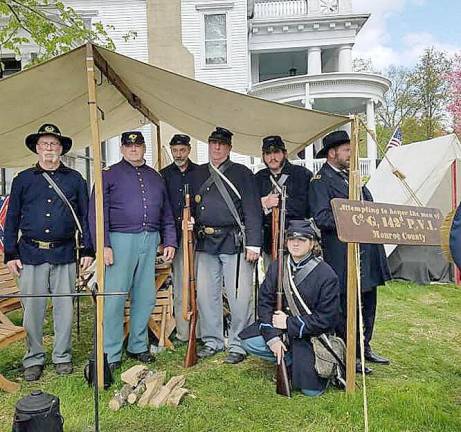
(43, 244)
(209, 230)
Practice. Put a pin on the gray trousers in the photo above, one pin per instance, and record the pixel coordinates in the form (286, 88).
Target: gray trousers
(182, 325)
(213, 273)
(44, 279)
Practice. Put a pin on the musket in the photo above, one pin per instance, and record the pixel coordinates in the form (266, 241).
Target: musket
(283, 381)
(188, 250)
(275, 231)
(275, 220)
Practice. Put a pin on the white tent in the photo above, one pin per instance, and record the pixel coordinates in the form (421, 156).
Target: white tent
(427, 166)
(56, 92)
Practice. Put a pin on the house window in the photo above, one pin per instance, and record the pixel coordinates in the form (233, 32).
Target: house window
(215, 39)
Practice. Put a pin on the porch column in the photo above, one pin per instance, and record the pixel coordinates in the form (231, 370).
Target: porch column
(314, 61)
(345, 58)
(372, 150)
(254, 68)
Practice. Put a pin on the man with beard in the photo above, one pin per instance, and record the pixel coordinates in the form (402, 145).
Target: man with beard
(280, 172)
(228, 224)
(177, 175)
(332, 181)
(44, 256)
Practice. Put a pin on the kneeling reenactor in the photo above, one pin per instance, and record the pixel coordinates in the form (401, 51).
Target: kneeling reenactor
(313, 288)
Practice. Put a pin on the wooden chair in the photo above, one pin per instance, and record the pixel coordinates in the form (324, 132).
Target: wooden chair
(9, 333)
(7, 287)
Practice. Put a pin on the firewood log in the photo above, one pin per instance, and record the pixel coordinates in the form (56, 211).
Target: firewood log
(120, 397)
(176, 396)
(159, 399)
(133, 375)
(152, 387)
(137, 392)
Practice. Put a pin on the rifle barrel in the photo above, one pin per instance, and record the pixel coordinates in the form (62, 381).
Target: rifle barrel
(283, 381)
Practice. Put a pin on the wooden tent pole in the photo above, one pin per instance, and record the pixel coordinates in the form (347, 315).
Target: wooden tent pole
(454, 205)
(159, 148)
(352, 263)
(98, 192)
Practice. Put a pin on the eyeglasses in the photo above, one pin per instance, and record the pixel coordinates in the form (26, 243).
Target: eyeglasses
(52, 145)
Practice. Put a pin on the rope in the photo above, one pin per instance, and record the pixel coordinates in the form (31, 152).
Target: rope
(400, 176)
(362, 342)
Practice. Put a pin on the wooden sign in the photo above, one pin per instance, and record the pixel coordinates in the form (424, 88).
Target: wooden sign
(369, 222)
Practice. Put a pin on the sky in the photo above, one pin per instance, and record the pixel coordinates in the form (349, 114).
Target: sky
(398, 31)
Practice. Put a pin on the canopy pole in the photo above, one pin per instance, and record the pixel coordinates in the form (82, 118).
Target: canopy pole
(454, 205)
(98, 193)
(133, 99)
(352, 264)
(159, 148)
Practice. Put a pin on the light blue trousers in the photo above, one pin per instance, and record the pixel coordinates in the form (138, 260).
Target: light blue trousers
(258, 347)
(133, 271)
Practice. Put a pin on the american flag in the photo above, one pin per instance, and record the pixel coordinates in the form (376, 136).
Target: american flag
(3, 208)
(396, 139)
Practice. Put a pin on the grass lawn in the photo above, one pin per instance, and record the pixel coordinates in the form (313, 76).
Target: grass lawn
(418, 327)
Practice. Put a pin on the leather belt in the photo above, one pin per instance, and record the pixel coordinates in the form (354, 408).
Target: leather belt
(209, 230)
(40, 244)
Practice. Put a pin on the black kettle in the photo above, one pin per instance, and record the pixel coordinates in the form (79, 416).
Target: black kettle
(38, 412)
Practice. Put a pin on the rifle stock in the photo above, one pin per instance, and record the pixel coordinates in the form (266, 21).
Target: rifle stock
(191, 353)
(283, 381)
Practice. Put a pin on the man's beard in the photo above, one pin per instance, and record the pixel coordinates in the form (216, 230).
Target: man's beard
(279, 167)
(180, 163)
(50, 157)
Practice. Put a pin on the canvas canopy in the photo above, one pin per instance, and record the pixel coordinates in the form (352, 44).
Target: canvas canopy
(56, 92)
(427, 167)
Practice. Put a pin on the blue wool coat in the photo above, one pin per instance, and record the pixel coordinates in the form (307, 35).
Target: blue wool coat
(374, 270)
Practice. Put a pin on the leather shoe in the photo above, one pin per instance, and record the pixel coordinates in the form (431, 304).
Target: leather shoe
(234, 358)
(33, 373)
(143, 357)
(375, 358)
(207, 351)
(114, 365)
(63, 368)
(358, 368)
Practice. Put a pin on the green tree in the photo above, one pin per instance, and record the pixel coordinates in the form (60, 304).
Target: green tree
(431, 86)
(400, 101)
(54, 27)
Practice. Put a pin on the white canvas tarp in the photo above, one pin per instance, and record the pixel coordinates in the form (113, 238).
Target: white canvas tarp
(56, 92)
(427, 167)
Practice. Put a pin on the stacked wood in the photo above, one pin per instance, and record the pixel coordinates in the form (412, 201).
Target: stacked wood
(147, 388)
(120, 397)
(135, 374)
(152, 388)
(162, 396)
(139, 389)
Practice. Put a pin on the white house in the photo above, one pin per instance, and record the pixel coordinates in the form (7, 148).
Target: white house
(291, 51)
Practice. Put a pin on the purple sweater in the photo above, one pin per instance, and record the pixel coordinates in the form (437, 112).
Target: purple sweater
(135, 200)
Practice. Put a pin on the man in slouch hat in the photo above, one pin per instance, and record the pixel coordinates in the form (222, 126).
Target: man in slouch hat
(332, 181)
(228, 220)
(48, 204)
(137, 216)
(280, 171)
(176, 176)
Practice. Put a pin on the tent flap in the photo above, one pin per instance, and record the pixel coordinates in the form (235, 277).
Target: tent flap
(56, 92)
